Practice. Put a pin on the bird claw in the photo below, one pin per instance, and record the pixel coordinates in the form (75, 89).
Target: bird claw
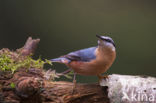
(101, 77)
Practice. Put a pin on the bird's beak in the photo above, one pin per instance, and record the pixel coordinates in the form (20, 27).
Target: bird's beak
(98, 36)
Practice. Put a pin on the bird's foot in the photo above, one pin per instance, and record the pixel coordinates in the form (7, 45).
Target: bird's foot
(101, 77)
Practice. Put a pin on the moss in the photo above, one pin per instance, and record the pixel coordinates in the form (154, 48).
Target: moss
(11, 61)
(12, 85)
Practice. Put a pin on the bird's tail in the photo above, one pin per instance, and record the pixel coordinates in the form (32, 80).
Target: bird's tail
(61, 60)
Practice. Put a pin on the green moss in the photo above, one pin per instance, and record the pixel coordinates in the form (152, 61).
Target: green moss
(10, 61)
(12, 85)
(6, 63)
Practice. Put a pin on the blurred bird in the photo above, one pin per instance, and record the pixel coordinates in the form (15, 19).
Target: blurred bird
(90, 61)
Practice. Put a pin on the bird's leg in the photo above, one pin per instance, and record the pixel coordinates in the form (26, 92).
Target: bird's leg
(102, 77)
(74, 83)
(74, 78)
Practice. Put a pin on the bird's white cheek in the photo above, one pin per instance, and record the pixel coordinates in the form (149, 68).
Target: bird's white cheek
(110, 46)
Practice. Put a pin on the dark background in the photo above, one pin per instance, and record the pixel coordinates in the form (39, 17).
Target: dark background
(68, 25)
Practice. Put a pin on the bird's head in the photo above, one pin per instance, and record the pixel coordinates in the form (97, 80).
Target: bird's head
(105, 41)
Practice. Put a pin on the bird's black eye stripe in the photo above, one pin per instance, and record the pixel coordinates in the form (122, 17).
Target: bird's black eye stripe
(108, 40)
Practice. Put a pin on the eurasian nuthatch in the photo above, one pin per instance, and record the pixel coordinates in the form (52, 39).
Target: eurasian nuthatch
(91, 61)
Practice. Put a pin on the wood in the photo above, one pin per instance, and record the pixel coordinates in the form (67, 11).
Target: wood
(61, 92)
(130, 89)
(30, 46)
(32, 86)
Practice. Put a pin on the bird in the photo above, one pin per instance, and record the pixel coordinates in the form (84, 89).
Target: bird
(91, 61)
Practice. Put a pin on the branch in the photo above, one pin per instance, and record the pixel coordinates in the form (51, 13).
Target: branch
(30, 46)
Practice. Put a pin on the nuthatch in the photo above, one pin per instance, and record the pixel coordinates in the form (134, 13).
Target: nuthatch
(91, 61)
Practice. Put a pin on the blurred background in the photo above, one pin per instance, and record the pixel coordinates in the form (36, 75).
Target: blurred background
(68, 25)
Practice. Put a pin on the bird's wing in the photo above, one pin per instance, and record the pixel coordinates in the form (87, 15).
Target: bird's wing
(82, 55)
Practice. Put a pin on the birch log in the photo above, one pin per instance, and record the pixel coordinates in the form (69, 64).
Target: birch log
(130, 89)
